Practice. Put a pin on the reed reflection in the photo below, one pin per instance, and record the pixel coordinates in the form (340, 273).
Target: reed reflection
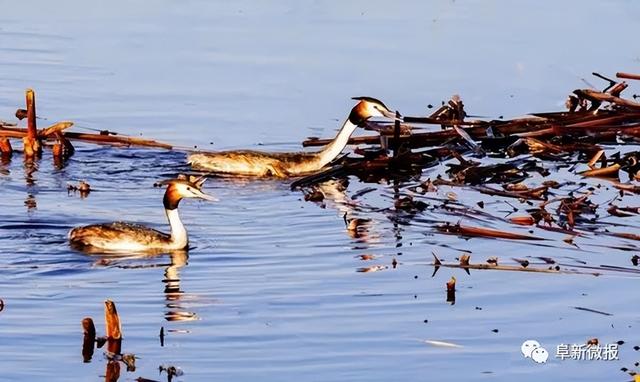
(30, 169)
(5, 161)
(112, 371)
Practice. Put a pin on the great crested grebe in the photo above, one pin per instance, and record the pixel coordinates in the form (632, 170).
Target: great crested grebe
(282, 165)
(120, 236)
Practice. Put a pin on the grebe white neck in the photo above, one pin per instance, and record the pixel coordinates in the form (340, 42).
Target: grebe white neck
(333, 149)
(179, 237)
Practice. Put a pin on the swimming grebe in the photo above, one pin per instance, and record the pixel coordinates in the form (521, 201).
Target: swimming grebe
(282, 165)
(120, 236)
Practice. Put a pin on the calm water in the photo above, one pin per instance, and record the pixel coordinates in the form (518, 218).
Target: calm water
(270, 290)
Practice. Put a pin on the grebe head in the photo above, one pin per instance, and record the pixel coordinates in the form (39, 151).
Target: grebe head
(181, 188)
(369, 107)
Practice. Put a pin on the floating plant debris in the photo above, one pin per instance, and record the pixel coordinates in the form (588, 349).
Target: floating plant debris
(523, 266)
(451, 284)
(514, 162)
(451, 290)
(592, 310)
(33, 140)
(112, 321)
(89, 338)
(373, 268)
(83, 188)
(172, 371)
(130, 361)
(483, 232)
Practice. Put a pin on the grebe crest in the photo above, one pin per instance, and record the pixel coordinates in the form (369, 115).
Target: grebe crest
(183, 187)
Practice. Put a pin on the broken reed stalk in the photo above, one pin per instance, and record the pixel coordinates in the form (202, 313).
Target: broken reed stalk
(471, 231)
(32, 138)
(5, 147)
(605, 172)
(601, 96)
(112, 320)
(89, 339)
(451, 290)
(513, 268)
(113, 327)
(466, 265)
(114, 140)
(88, 328)
(601, 126)
(32, 131)
(534, 194)
(413, 140)
(32, 145)
(53, 130)
(396, 135)
(62, 149)
(628, 76)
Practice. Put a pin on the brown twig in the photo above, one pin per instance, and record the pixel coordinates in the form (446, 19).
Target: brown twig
(114, 140)
(470, 231)
(600, 96)
(112, 320)
(5, 147)
(628, 76)
(514, 268)
(89, 338)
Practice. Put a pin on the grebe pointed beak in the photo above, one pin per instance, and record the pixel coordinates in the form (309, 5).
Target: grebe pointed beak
(392, 115)
(208, 197)
(201, 195)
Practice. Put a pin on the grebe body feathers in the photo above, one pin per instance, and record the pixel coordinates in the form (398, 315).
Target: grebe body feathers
(256, 163)
(122, 236)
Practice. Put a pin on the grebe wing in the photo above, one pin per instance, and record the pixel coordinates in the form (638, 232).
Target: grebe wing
(249, 162)
(248, 156)
(116, 232)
